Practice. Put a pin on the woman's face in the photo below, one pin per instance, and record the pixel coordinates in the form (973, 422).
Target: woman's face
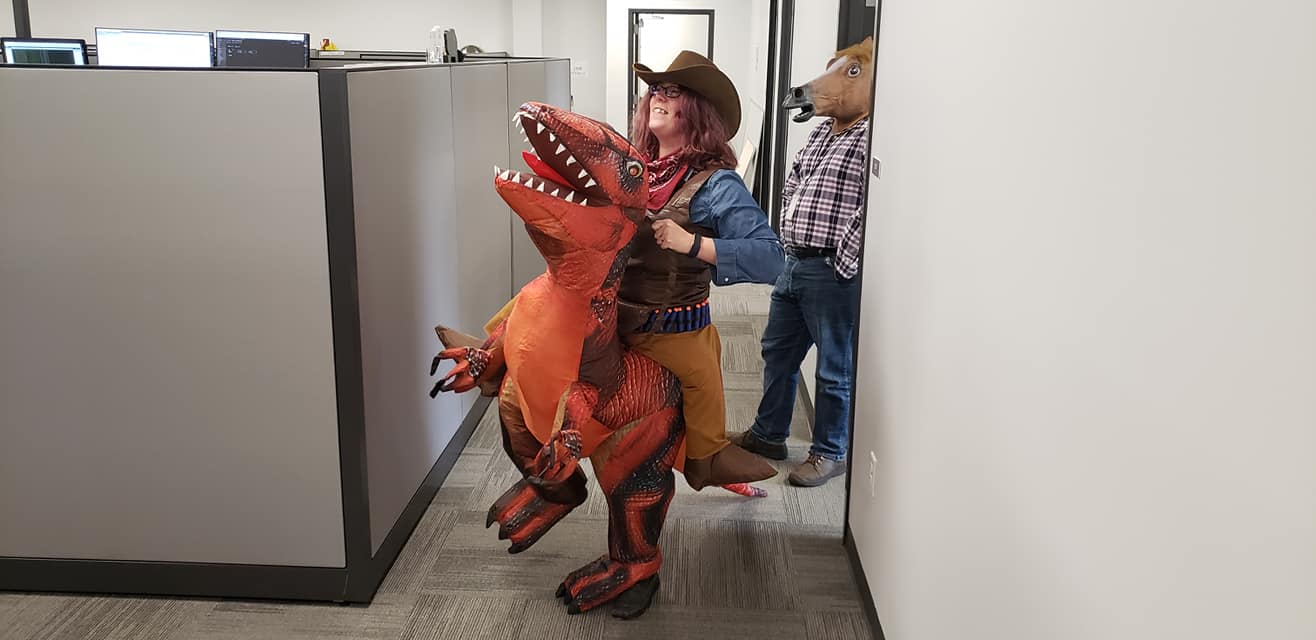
(665, 112)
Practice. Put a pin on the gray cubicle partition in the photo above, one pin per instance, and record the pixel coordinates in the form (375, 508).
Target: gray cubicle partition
(524, 82)
(219, 295)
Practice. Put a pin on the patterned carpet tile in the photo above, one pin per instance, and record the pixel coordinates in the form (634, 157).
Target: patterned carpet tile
(444, 617)
(669, 623)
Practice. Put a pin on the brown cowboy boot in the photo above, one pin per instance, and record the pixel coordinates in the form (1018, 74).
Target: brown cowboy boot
(729, 466)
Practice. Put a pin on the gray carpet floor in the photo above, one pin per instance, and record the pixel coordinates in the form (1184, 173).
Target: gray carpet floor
(733, 567)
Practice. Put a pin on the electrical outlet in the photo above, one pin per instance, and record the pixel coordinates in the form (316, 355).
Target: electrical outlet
(578, 69)
(872, 474)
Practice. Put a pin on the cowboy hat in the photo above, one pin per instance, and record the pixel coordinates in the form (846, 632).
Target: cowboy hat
(699, 74)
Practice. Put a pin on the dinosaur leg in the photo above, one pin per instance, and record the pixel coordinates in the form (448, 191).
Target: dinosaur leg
(634, 468)
(526, 512)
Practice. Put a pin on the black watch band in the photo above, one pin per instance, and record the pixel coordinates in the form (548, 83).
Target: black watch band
(696, 246)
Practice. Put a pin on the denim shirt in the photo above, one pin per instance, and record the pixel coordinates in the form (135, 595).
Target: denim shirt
(747, 248)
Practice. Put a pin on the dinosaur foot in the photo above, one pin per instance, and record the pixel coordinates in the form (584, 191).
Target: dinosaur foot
(524, 516)
(630, 587)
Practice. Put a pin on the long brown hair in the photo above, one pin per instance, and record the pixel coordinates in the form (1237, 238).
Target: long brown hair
(707, 148)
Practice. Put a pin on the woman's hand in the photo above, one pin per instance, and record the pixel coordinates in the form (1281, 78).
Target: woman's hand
(672, 237)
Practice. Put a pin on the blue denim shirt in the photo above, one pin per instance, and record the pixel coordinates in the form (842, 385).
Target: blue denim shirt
(747, 248)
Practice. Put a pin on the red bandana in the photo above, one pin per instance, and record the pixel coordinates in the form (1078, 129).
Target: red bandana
(664, 176)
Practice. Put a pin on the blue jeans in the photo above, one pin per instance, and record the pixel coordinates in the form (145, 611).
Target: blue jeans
(810, 305)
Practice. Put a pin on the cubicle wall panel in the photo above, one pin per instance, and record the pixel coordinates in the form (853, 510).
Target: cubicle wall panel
(547, 81)
(166, 365)
(483, 245)
(408, 276)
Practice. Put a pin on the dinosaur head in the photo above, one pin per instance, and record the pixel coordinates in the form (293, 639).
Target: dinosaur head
(586, 194)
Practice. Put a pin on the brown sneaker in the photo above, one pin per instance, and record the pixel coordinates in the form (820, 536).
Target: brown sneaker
(815, 471)
(753, 444)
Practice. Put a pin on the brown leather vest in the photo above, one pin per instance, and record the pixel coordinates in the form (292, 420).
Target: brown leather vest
(656, 278)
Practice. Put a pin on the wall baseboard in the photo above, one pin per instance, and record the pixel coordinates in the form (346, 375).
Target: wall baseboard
(861, 579)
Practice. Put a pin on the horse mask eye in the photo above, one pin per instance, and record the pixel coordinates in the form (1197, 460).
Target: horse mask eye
(854, 71)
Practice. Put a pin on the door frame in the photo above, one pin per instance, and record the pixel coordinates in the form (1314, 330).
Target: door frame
(22, 19)
(633, 46)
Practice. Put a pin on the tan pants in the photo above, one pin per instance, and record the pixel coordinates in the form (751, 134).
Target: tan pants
(696, 358)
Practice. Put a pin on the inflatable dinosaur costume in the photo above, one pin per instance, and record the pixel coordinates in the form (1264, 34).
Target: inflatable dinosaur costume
(569, 389)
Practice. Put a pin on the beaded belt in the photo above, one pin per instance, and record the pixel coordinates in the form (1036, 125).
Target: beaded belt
(678, 319)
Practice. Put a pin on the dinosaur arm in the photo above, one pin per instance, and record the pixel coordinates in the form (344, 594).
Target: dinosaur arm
(483, 366)
(561, 455)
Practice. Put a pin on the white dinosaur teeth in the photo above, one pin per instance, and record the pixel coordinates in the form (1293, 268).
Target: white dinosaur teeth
(539, 127)
(570, 159)
(556, 191)
(541, 187)
(505, 174)
(560, 149)
(570, 197)
(590, 183)
(583, 173)
(551, 137)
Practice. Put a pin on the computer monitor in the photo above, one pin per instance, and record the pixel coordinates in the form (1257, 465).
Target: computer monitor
(153, 48)
(262, 49)
(44, 51)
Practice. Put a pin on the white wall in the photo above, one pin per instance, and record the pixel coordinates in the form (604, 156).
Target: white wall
(732, 51)
(401, 25)
(1088, 342)
(575, 29)
(813, 43)
(527, 28)
(752, 100)
(7, 20)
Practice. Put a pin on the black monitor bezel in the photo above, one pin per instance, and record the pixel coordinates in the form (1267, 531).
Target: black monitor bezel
(86, 59)
(214, 41)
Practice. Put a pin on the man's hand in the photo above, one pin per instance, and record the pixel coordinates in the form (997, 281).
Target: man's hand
(672, 237)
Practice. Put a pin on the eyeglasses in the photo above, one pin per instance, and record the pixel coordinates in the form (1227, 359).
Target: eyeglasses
(669, 90)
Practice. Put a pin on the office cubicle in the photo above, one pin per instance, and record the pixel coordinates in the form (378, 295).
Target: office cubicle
(220, 289)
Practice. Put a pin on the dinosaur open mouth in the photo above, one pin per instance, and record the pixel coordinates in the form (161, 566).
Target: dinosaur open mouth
(543, 185)
(555, 170)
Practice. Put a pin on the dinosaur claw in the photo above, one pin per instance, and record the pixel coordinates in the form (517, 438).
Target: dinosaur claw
(492, 518)
(573, 609)
(434, 366)
(438, 386)
(561, 591)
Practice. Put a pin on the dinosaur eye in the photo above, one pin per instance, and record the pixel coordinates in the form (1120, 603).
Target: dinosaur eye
(853, 71)
(634, 168)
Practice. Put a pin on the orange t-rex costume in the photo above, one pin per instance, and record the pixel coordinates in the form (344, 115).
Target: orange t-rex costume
(570, 388)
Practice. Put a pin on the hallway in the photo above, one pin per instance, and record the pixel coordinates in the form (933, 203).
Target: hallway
(733, 567)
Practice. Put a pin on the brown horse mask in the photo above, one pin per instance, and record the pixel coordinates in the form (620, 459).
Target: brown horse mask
(844, 92)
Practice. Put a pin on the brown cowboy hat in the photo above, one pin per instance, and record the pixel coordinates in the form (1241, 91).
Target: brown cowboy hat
(696, 72)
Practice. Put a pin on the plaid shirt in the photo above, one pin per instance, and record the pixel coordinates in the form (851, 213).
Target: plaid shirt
(824, 195)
